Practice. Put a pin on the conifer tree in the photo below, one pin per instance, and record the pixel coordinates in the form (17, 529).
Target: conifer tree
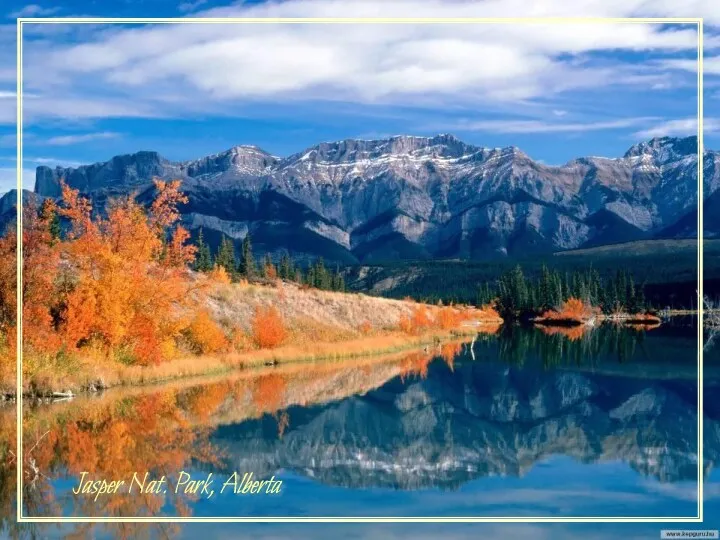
(268, 268)
(247, 259)
(203, 260)
(226, 255)
(285, 270)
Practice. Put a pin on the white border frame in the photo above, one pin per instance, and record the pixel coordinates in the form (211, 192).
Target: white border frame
(335, 20)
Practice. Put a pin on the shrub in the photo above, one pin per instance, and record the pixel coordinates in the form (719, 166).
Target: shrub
(421, 319)
(240, 341)
(205, 334)
(448, 318)
(573, 309)
(405, 325)
(268, 328)
(417, 322)
(366, 327)
(219, 275)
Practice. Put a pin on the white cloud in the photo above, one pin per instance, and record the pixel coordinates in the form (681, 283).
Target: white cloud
(679, 128)
(33, 10)
(709, 9)
(186, 7)
(711, 65)
(66, 140)
(534, 126)
(447, 64)
(80, 108)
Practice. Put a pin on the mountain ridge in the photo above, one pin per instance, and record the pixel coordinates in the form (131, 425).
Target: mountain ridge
(405, 196)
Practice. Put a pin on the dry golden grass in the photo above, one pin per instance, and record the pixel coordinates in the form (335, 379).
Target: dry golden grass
(112, 373)
(331, 309)
(320, 325)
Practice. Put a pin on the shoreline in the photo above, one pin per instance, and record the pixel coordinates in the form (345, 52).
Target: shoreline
(90, 383)
(630, 319)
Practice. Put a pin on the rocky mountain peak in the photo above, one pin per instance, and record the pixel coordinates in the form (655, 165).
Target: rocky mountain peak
(663, 149)
(410, 197)
(242, 159)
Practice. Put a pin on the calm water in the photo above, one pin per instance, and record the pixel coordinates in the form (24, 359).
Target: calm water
(522, 423)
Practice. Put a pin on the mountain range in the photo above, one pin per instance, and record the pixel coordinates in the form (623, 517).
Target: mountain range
(408, 197)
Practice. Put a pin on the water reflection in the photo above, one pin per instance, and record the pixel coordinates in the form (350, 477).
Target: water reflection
(444, 424)
(579, 345)
(503, 407)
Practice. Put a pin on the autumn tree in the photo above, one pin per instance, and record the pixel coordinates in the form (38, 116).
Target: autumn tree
(269, 270)
(267, 327)
(121, 278)
(8, 305)
(205, 334)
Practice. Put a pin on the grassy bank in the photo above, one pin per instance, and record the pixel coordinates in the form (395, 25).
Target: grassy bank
(81, 376)
(316, 326)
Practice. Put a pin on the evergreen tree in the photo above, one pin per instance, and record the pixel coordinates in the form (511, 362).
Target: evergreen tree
(268, 268)
(203, 260)
(575, 285)
(285, 270)
(622, 289)
(640, 297)
(611, 297)
(558, 293)
(321, 277)
(247, 259)
(512, 292)
(632, 306)
(226, 255)
(310, 276)
(49, 213)
(546, 297)
(338, 281)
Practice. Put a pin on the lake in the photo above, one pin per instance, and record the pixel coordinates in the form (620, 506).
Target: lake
(528, 422)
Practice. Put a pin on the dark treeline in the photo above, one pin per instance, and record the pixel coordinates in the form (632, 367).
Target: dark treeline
(515, 293)
(246, 267)
(668, 279)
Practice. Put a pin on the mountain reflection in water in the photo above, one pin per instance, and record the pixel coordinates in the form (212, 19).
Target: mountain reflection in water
(610, 410)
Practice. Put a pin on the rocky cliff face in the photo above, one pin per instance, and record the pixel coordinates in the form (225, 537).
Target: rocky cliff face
(8, 207)
(417, 197)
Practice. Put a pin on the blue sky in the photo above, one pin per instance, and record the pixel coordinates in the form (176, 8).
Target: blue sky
(557, 92)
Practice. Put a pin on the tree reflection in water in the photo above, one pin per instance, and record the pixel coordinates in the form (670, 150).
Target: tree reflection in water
(579, 345)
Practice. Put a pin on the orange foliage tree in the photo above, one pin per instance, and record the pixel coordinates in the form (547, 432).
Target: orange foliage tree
(572, 309)
(417, 322)
(8, 305)
(206, 335)
(267, 327)
(116, 282)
